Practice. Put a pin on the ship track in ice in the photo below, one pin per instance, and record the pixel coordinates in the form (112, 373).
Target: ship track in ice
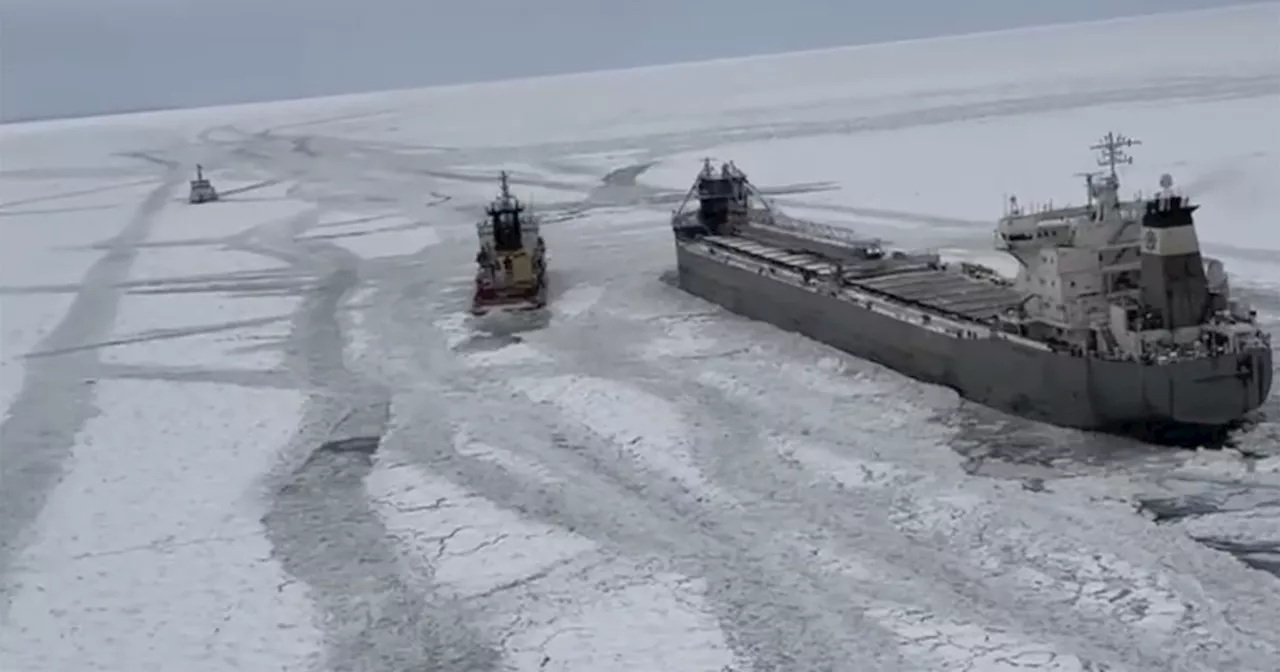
(967, 302)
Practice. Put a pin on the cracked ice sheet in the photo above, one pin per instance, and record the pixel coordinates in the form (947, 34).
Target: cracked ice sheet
(940, 645)
(644, 427)
(875, 452)
(560, 601)
(234, 277)
(847, 470)
(1144, 586)
(1072, 568)
(150, 555)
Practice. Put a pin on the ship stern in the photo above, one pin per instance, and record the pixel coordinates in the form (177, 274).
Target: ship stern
(1215, 391)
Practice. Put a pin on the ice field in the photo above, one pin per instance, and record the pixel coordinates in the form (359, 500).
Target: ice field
(263, 434)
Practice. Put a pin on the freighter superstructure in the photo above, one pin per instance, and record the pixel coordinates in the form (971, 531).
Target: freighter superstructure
(1113, 318)
(1123, 279)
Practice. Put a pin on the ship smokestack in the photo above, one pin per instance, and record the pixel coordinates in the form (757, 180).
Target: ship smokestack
(1174, 288)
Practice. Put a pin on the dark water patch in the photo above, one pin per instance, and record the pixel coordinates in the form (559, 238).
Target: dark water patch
(800, 188)
(1181, 435)
(1007, 447)
(302, 145)
(500, 329)
(1216, 498)
(626, 176)
(1264, 556)
(325, 533)
(998, 444)
(247, 188)
(1168, 509)
(364, 445)
(488, 342)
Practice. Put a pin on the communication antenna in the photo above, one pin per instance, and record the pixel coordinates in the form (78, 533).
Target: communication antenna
(506, 187)
(1112, 153)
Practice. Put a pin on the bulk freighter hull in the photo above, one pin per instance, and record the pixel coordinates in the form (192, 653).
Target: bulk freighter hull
(1014, 375)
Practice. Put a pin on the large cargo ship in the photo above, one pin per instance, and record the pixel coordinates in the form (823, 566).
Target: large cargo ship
(1114, 321)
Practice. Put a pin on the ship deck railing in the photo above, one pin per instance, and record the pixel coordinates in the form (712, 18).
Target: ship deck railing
(822, 233)
(977, 299)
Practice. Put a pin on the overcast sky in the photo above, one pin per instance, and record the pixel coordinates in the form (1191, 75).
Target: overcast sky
(76, 57)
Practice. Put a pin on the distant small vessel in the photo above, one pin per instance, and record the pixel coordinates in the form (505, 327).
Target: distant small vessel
(202, 190)
(1114, 318)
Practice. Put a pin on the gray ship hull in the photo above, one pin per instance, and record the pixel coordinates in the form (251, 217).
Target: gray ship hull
(1052, 387)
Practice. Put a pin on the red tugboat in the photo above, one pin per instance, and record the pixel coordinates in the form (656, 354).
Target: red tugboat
(511, 273)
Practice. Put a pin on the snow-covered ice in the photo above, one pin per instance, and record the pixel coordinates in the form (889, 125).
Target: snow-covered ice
(150, 553)
(264, 434)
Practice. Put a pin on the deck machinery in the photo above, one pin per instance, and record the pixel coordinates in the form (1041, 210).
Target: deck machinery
(1114, 318)
(511, 262)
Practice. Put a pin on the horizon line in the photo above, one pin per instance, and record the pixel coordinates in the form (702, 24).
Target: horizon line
(352, 96)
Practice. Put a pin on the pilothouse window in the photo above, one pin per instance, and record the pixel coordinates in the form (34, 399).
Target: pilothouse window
(506, 231)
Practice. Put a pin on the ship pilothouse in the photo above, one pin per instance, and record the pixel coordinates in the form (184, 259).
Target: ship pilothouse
(724, 202)
(1122, 279)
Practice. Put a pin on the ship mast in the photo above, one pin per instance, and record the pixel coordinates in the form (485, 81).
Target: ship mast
(504, 201)
(506, 187)
(1112, 153)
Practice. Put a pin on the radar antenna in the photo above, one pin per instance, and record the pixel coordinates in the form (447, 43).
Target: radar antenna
(1112, 153)
(506, 187)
